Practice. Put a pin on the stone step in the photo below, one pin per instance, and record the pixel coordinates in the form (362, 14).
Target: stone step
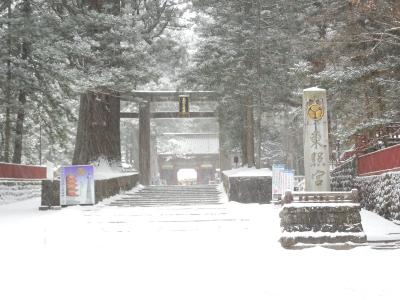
(195, 186)
(156, 187)
(139, 196)
(167, 202)
(175, 194)
(151, 196)
(156, 204)
(178, 190)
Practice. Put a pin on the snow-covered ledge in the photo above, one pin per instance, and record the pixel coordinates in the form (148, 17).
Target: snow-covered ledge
(321, 217)
(248, 185)
(104, 188)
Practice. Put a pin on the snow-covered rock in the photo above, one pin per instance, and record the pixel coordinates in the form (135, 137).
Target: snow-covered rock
(248, 185)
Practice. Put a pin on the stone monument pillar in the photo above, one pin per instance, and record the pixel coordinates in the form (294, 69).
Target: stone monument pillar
(316, 141)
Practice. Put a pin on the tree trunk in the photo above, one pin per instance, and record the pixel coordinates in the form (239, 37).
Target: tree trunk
(243, 142)
(250, 132)
(7, 135)
(244, 149)
(19, 129)
(224, 159)
(7, 125)
(259, 93)
(98, 134)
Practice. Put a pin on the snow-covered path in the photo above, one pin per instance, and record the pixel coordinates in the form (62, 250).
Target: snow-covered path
(227, 251)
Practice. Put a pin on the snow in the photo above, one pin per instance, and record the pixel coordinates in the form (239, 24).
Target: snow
(104, 252)
(321, 234)
(184, 144)
(187, 174)
(379, 229)
(170, 92)
(25, 165)
(320, 204)
(102, 170)
(314, 89)
(248, 172)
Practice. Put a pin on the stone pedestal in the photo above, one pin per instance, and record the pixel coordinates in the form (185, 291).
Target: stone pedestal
(50, 193)
(318, 223)
(316, 141)
(248, 189)
(317, 215)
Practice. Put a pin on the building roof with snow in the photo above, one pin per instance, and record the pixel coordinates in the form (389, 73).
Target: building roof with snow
(187, 143)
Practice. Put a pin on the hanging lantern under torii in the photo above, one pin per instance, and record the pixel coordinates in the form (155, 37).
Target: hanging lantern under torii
(184, 105)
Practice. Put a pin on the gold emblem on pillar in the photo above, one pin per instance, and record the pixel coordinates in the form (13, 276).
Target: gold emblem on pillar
(315, 110)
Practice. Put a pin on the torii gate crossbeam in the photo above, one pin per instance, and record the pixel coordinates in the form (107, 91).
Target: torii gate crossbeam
(145, 98)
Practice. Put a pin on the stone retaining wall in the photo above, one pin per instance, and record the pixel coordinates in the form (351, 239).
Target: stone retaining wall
(19, 190)
(381, 194)
(342, 177)
(378, 193)
(103, 188)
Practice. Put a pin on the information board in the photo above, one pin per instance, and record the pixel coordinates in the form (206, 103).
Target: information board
(282, 180)
(77, 185)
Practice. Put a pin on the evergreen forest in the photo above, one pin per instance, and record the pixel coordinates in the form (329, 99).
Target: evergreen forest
(253, 53)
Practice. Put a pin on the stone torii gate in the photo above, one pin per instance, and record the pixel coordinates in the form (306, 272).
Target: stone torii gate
(98, 133)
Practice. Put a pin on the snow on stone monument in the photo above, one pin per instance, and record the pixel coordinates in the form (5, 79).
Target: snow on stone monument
(316, 142)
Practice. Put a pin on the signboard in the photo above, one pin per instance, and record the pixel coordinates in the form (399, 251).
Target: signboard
(50, 170)
(77, 185)
(289, 180)
(184, 105)
(282, 180)
(277, 171)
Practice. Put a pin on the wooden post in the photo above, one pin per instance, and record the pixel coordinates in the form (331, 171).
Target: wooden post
(144, 142)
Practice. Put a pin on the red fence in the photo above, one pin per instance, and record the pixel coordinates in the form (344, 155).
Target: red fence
(22, 171)
(380, 161)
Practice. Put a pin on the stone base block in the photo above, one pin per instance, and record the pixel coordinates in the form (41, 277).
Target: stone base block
(50, 193)
(248, 189)
(288, 240)
(319, 223)
(45, 207)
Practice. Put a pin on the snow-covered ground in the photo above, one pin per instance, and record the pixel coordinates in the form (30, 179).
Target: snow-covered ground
(228, 251)
(248, 172)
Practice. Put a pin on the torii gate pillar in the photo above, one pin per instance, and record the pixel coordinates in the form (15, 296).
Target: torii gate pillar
(144, 142)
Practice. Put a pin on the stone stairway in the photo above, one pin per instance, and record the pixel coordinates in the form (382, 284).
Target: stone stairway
(170, 195)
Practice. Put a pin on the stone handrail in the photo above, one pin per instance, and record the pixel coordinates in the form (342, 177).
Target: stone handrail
(321, 197)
